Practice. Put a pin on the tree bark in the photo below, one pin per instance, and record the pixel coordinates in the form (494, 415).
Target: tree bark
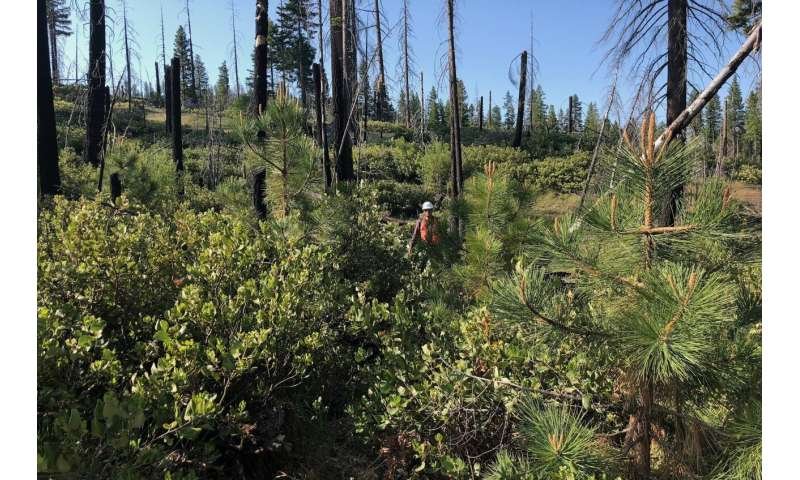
(53, 38)
(322, 137)
(47, 141)
(262, 32)
(380, 85)
(177, 140)
(127, 57)
(97, 81)
(570, 124)
(168, 97)
(339, 96)
(523, 66)
(116, 186)
(350, 57)
(455, 110)
(677, 58)
(192, 94)
(158, 85)
(259, 182)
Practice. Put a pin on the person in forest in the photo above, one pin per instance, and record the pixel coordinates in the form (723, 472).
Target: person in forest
(426, 227)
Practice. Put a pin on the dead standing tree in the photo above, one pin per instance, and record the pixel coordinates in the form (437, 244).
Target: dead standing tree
(168, 98)
(381, 101)
(95, 109)
(340, 98)
(405, 65)
(523, 66)
(177, 140)
(455, 116)
(322, 137)
(262, 32)
(235, 51)
(47, 142)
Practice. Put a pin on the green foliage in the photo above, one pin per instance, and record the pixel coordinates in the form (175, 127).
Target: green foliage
(558, 174)
(749, 174)
(435, 167)
(397, 160)
(401, 199)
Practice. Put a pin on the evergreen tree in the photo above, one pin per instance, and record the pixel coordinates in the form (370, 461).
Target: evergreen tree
(223, 86)
(713, 121)
(744, 14)
(201, 76)
(577, 114)
(537, 109)
(592, 120)
(563, 121)
(696, 126)
(510, 111)
(735, 110)
(293, 50)
(181, 50)
(436, 120)
(58, 25)
(496, 116)
(552, 120)
(752, 128)
(365, 91)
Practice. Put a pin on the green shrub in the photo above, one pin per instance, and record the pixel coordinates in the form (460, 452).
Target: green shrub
(435, 166)
(749, 174)
(475, 157)
(556, 174)
(78, 178)
(401, 199)
(395, 129)
(394, 161)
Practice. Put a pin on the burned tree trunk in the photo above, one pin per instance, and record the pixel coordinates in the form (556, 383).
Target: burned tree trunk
(116, 186)
(127, 56)
(262, 31)
(455, 110)
(158, 85)
(47, 142)
(192, 93)
(677, 58)
(177, 140)
(350, 59)
(523, 68)
(480, 114)
(380, 85)
(235, 51)
(97, 81)
(340, 99)
(258, 181)
(168, 98)
(322, 137)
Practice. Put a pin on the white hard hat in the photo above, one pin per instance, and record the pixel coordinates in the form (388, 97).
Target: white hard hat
(427, 206)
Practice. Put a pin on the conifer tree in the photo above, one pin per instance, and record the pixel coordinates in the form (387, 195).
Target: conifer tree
(497, 116)
(538, 110)
(552, 120)
(181, 51)
(752, 127)
(712, 121)
(294, 51)
(509, 111)
(735, 111)
(223, 86)
(201, 76)
(592, 125)
(58, 25)
(577, 114)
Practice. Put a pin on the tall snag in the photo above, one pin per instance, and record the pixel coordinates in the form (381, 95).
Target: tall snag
(158, 85)
(192, 93)
(340, 99)
(168, 98)
(47, 142)
(97, 80)
(677, 59)
(405, 65)
(127, 54)
(380, 85)
(322, 136)
(455, 112)
(523, 67)
(235, 50)
(177, 140)
(262, 31)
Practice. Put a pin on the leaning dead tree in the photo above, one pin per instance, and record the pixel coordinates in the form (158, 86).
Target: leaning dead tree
(97, 81)
(455, 112)
(340, 98)
(47, 142)
(593, 162)
(523, 67)
(684, 118)
(262, 31)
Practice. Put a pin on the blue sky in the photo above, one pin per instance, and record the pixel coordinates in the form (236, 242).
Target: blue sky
(490, 35)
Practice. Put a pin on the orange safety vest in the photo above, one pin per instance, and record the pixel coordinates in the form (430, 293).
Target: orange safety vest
(429, 231)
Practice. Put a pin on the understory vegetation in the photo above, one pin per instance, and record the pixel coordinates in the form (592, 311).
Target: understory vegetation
(181, 337)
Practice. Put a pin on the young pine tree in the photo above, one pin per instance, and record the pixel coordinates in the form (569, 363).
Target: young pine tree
(223, 86)
(655, 296)
(509, 111)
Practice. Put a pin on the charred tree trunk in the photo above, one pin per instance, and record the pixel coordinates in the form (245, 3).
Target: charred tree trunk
(158, 85)
(177, 140)
(480, 114)
(405, 63)
(168, 98)
(47, 141)
(677, 58)
(339, 96)
(523, 68)
(258, 181)
(380, 85)
(116, 186)
(163, 44)
(455, 110)
(350, 58)
(97, 81)
(262, 31)
(322, 136)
